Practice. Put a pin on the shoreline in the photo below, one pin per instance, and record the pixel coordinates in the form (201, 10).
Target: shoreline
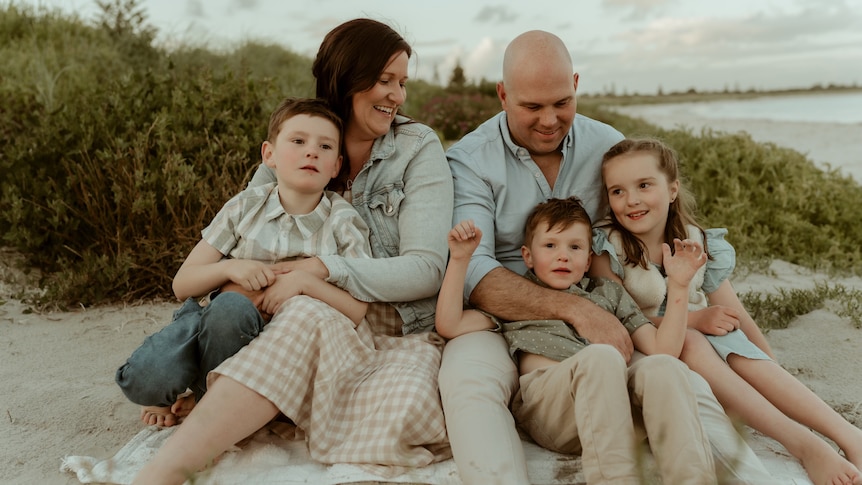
(828, 145)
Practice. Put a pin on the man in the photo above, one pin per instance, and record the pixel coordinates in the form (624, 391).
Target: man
(534, 150)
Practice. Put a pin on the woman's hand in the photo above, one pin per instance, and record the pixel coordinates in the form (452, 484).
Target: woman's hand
(311, 265)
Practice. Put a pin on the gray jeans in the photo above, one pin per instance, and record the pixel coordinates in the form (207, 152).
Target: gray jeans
(179, 356)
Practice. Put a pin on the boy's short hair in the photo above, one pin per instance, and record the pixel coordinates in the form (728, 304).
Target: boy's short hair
(556, 212)
(291, 107)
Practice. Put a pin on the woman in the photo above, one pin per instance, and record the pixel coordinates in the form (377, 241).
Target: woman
(367, 395)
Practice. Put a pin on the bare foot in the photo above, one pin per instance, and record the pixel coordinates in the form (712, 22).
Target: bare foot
(183, 406)
(158, 416)
(826, 467)
(852, 448)
(164, 416)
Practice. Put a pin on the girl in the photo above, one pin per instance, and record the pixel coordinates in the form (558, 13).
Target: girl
(723, 344)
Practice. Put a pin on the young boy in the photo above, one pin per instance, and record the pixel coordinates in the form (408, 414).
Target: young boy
(578, 398)
(289, 219)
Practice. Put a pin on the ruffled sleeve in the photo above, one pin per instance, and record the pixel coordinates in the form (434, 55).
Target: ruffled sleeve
(720, 267)
(601, 244)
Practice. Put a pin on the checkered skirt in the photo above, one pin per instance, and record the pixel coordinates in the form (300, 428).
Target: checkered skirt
(359, 395)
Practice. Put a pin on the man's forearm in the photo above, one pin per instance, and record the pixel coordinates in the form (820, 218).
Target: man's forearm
(509, 296)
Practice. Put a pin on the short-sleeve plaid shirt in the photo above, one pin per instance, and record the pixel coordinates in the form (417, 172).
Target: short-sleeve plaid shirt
(253, 225)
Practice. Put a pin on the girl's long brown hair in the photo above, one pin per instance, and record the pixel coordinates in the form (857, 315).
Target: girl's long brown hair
(682, 209)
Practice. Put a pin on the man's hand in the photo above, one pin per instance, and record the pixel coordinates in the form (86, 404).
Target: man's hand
(601, 327)
(463, 239)
(714, 320)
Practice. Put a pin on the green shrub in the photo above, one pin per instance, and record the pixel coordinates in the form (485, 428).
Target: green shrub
(115, 153)
(455, 115)
(778, 310)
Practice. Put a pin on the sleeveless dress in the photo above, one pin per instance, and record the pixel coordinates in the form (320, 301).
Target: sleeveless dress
(648, 287)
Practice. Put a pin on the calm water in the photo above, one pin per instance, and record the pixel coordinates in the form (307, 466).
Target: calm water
(827, 127)
(845, 108)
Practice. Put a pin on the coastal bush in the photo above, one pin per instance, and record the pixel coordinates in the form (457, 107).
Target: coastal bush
(779, 309)
(455, 114)
(774, 201)
(114, 160)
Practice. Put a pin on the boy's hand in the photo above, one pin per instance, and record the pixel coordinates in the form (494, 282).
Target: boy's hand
(286, 286)
(687, 258)
(463, 240)
(250, 275)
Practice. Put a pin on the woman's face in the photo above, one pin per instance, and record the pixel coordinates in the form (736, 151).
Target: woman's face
(375, 108)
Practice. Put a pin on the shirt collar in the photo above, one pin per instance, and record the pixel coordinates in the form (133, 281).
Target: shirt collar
(307, 224)
(518, 151)
(384, 146)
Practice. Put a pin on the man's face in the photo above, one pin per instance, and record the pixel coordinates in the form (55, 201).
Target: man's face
(540, 107)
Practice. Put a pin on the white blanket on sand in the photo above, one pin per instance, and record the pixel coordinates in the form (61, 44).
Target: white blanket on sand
(268, 459)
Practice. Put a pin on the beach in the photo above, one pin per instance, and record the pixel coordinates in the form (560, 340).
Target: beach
(828, 143)
(59, 397)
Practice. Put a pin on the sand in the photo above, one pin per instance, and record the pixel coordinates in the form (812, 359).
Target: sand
(835, 145)
(59, 396)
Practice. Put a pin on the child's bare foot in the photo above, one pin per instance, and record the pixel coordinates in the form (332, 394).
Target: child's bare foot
(183, 406)
(826, 467)
(164, 416)
(159, 416)
(852, 447)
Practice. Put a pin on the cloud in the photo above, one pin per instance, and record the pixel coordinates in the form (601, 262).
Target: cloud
(500, 14)
(636, 9)
(195, 8)
(735, 39)
(485, 58)
(244, 4)
(789, 47)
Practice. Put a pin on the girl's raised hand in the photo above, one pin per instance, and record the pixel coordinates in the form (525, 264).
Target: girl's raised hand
(463, 239)
(687, 258)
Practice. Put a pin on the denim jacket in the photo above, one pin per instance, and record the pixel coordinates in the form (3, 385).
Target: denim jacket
(404, 193)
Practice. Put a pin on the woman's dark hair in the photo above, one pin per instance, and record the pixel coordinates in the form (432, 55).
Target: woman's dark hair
(349, 61)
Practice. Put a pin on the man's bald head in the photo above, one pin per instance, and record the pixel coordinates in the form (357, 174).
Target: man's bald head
(538, 91)
(535, 51)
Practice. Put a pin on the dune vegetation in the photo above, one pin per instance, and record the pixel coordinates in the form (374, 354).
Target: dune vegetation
(116, 151)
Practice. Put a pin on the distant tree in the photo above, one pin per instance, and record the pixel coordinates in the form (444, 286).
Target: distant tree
(457, 81)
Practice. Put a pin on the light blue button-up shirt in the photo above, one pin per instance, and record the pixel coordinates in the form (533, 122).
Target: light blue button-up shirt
(497, 184)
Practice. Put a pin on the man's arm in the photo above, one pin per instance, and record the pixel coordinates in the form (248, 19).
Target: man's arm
(512, 297)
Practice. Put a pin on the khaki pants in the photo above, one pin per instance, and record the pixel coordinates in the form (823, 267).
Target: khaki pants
(584, 406)
(477, 379)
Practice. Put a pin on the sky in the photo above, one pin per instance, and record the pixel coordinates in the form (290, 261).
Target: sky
(619, 46)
